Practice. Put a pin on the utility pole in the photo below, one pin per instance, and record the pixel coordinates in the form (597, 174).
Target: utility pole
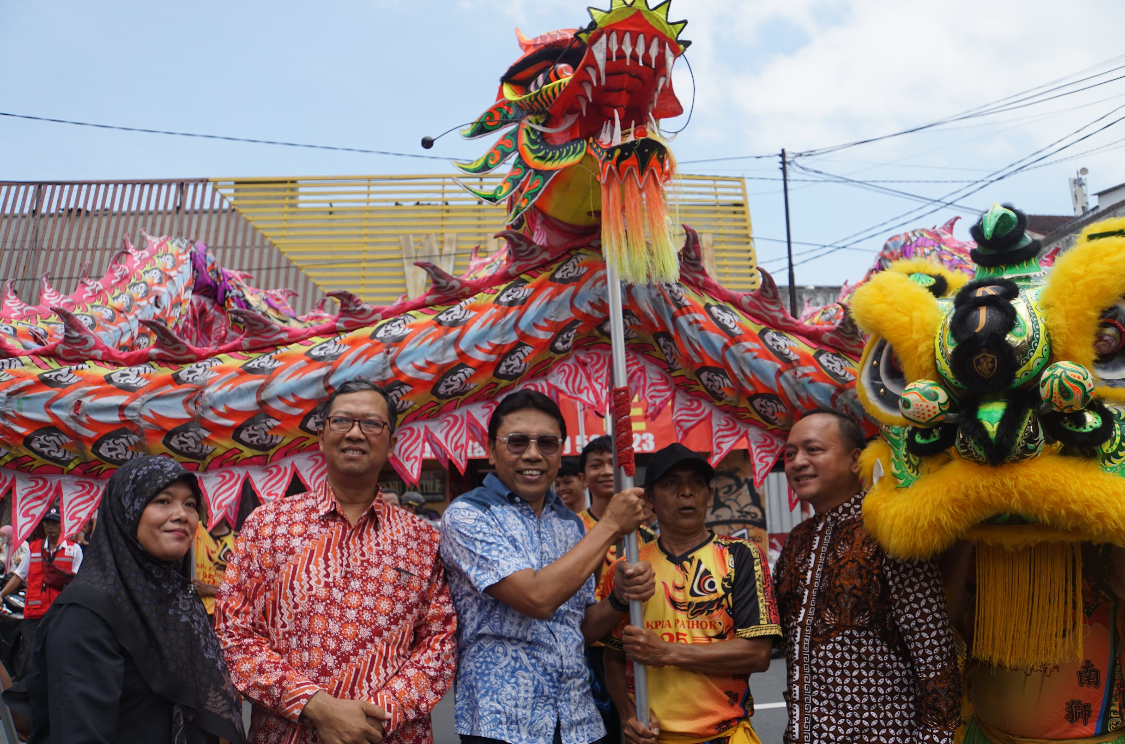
(788, 237)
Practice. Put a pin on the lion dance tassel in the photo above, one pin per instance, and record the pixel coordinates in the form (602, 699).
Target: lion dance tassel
(636, 229)
(1029, 605)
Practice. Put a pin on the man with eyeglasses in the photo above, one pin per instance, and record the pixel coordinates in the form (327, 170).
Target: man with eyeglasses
(521, 569)
(334, 614)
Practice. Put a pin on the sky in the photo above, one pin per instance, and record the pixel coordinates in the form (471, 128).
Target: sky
(803, 75)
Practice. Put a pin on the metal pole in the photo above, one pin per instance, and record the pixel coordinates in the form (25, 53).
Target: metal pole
(582, 443)
(624, 481)
(788, 237)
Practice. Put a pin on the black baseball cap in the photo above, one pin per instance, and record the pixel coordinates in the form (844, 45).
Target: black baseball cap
(671, 456)
(52, 515)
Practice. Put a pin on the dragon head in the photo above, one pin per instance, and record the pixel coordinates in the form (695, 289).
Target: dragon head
(583, 107)
(1000, 400)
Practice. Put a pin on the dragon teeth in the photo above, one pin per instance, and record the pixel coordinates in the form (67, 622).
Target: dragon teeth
(669, 58)
(582, 103)
(599, 56)
(660, 84)
(593, 76)
(653, 50)
(613, 46)
(641, 48)
(627, 47)
(616, 129)
(588, 88)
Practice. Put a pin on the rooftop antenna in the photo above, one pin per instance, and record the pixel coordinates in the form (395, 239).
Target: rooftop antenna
(1078, 193)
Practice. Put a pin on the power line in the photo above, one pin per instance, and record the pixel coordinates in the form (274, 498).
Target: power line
(1023, 99)
(222, 137)
(1005, 172)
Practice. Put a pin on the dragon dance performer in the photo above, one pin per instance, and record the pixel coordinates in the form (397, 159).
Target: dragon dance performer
(711, 626)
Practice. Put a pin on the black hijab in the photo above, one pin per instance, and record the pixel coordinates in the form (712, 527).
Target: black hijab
(153, 609)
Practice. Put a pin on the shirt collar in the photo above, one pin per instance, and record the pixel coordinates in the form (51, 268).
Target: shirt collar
(327, 503)
(493, 483)
(850, 508)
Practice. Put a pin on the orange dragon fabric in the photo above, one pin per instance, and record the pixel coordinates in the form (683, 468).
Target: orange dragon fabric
(311, 602)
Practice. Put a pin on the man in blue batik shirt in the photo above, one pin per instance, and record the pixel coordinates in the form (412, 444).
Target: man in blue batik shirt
(520, 567)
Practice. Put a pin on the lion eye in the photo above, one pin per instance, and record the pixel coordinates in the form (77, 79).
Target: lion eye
(1108, 341)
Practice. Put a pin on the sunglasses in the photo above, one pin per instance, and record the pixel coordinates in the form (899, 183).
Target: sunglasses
(547, 444)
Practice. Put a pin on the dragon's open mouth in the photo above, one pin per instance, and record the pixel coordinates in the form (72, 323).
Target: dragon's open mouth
(594, 94)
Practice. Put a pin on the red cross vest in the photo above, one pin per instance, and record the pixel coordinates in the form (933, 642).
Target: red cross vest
(40, 597)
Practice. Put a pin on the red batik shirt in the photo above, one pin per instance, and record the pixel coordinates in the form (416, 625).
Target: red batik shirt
(311, 602)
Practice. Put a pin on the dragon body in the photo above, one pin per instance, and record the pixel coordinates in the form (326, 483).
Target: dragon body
(171, 354)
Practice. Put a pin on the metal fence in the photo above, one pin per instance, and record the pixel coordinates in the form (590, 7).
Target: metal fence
(58, 227)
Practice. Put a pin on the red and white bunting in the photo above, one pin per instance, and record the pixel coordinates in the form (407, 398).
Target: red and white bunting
(726, 434)
(33, 495)
(222, 489)
(80, 498)
(310, 467)
(272, 481)
(453, 436)
(407, 456)
(765, 448)
(432, 438)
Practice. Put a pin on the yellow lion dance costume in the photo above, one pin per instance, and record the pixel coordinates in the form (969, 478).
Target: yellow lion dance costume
(1002, 405)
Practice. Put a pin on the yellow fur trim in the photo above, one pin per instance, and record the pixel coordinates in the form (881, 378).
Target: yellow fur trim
(944, 504)
(1084, 282)
(890, 305)
(955, 279)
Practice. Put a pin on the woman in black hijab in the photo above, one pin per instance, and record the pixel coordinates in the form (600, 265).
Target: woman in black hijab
(126, 653)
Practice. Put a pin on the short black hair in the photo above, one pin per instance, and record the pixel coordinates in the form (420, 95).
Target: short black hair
(568, 468)
(523, 400)
(359, 385)
(597, 446)
(850, 432)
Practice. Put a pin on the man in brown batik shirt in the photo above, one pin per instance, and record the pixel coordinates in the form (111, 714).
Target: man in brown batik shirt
(869, 648)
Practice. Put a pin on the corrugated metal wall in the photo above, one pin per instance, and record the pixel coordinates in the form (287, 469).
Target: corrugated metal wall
(347, 231)
(58, 227)
(775, 494)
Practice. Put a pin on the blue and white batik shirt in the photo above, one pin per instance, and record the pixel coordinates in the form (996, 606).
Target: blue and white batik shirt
(516, 676)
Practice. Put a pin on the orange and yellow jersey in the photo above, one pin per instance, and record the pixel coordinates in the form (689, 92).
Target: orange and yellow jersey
(715, 592)
(602, 590)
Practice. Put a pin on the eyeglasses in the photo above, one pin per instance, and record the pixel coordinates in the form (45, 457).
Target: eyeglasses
(547, 444)
(370, 427)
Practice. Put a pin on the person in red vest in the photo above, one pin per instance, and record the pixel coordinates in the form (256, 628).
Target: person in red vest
(46, 569)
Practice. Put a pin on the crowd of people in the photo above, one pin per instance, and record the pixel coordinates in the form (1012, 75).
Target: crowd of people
(344, 617)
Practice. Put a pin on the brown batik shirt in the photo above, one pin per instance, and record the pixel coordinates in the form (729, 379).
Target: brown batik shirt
(869, 648)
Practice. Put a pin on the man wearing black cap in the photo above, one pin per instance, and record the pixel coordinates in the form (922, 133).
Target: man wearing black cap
(710, 624)
(46, 568)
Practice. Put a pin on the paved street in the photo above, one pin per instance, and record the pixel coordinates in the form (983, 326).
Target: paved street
(769, 719)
